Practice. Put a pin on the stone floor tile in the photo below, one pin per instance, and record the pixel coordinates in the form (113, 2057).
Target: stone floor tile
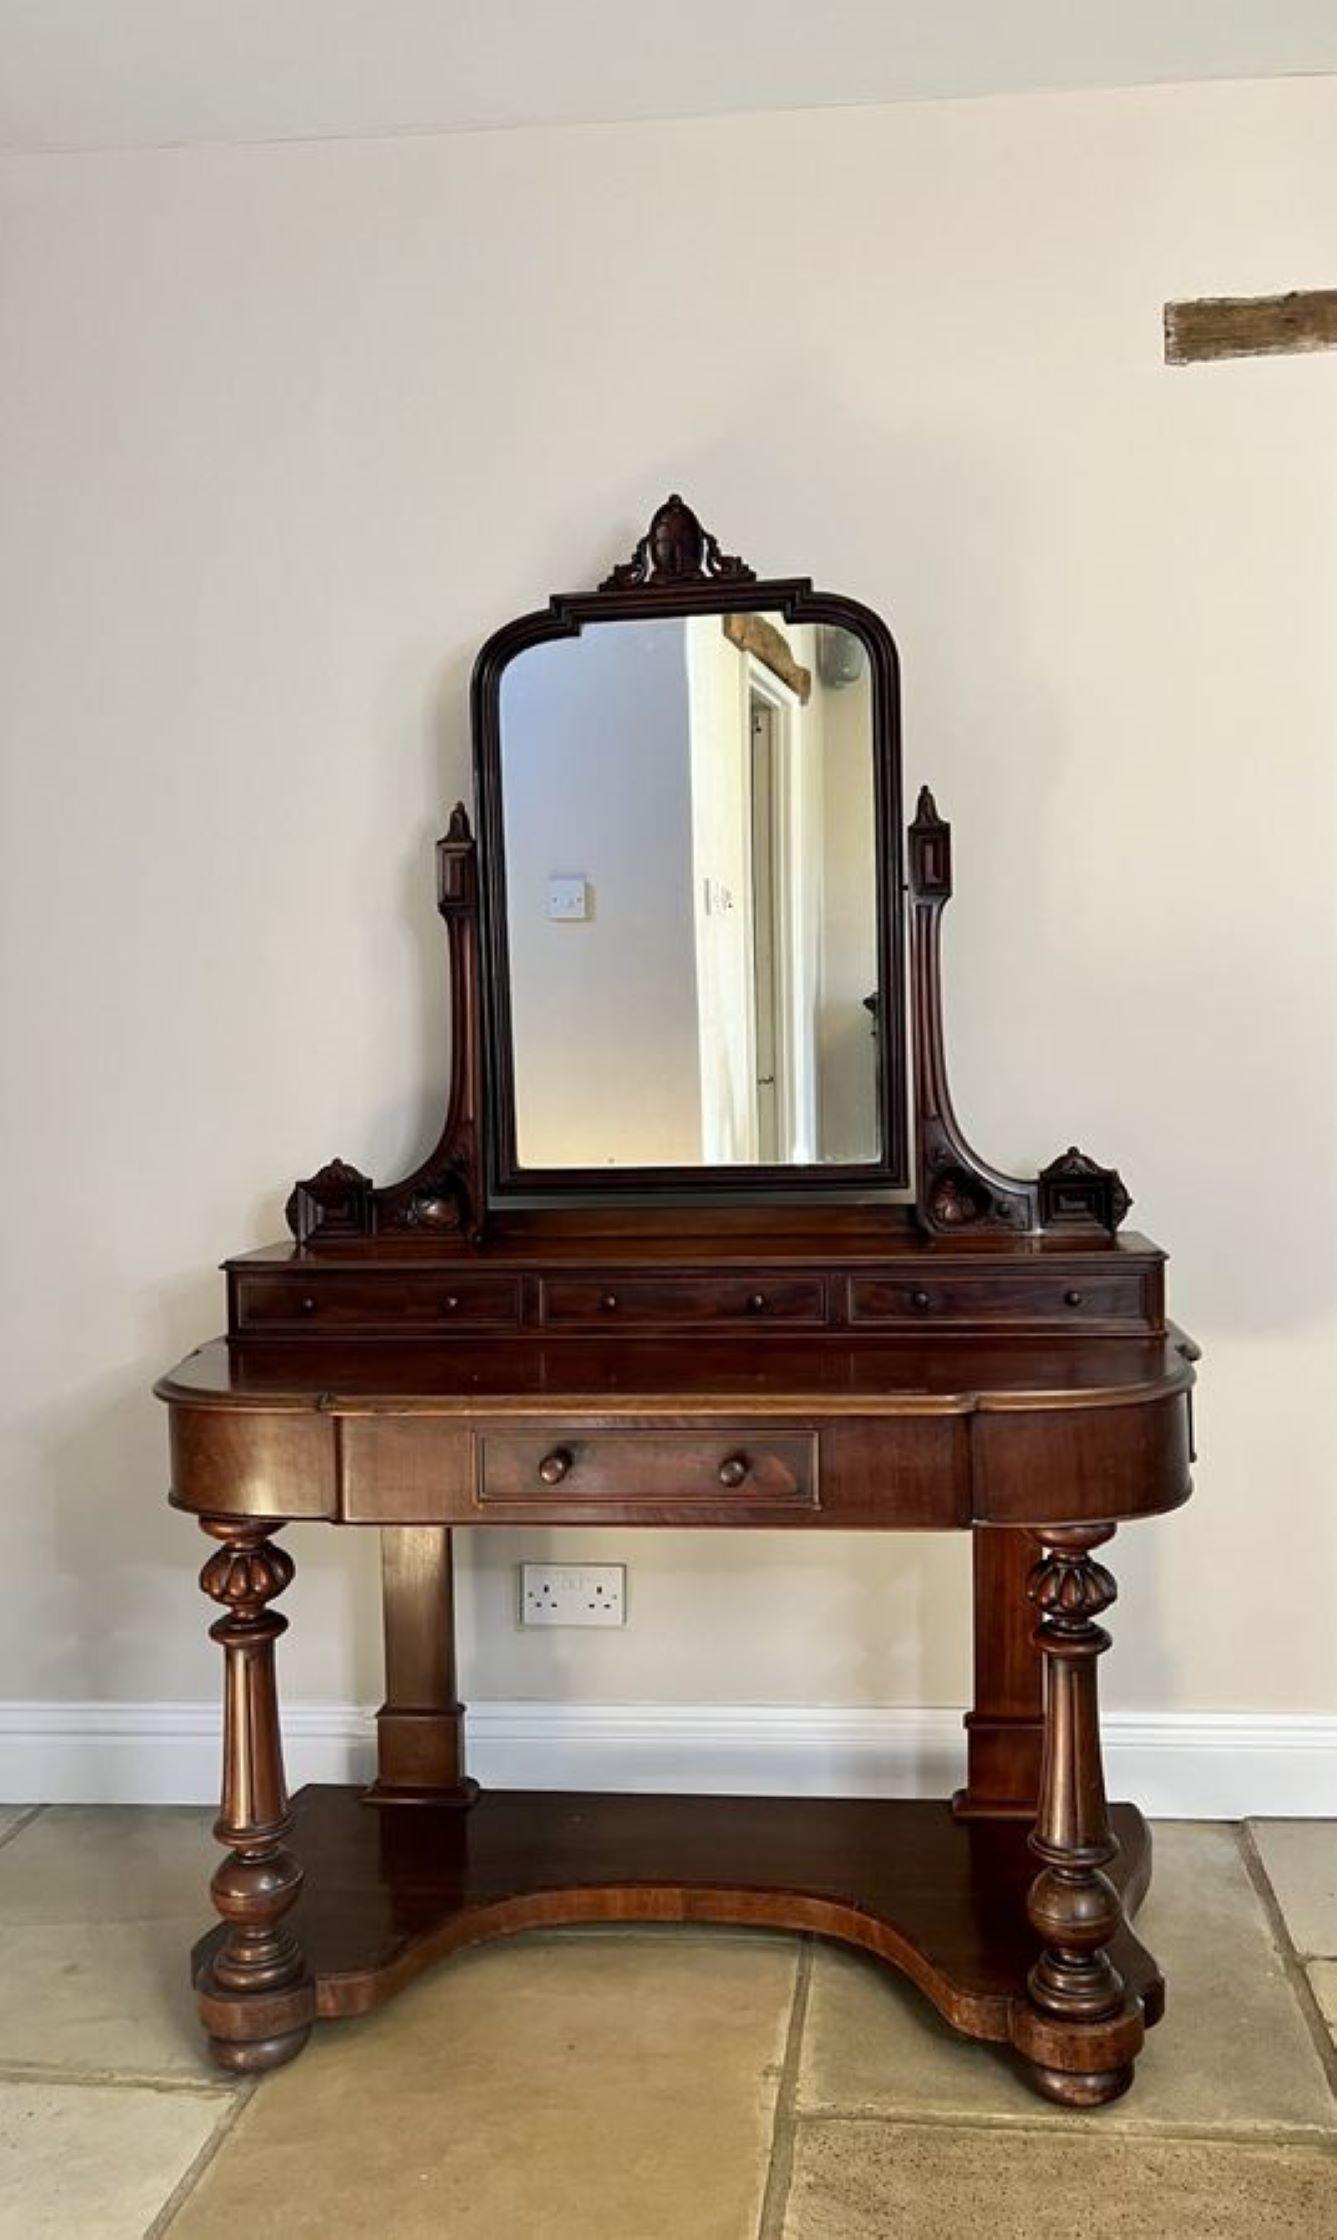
(109, 1863)
(894, 2181)
(537, 2089)
(1322, 1976)
(99, 1907)
(115, 1996)
(1233, 2052)
(95, 2162)
(10, 1816)
(1300, 1857)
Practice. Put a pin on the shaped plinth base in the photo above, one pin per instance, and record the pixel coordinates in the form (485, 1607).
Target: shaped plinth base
(386, 1894)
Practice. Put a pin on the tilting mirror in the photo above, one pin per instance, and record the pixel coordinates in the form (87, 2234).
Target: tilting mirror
(693, 883)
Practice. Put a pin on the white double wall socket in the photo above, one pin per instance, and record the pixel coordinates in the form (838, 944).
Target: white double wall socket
(573, 1594)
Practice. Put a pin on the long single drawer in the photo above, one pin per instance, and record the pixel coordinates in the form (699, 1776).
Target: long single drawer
(590, 1302)
(720, 1473)
(332, 1299)
(1054, 1298)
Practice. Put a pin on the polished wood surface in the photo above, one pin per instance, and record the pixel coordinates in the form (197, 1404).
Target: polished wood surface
(838, 1436)
(1082, 2026)
(947, 1373)
(256, 1995)
(420, 1725)
(386, 1894)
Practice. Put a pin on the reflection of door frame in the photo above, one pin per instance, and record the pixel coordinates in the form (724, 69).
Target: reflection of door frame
(793, 971)
(767, 890)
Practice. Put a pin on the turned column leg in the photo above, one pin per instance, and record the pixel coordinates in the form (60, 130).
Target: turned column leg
(420, 1726)
(1080, 2027)
(255, 1997)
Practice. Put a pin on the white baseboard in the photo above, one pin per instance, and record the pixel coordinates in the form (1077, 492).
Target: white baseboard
(1188, 1765)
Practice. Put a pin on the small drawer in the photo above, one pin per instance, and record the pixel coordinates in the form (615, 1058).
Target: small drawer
(668, 1473)
(333, 1300)
(1033, 1294)
(589, 1302)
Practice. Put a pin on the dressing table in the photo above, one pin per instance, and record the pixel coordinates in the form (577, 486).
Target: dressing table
(702, 1243)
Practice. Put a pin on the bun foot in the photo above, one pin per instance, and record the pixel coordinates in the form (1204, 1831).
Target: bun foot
(251, 2032)
(1079, 2064)
(1072, 2089)
(249, 2060)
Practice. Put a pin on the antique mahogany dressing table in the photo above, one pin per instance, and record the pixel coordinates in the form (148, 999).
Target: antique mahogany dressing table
(702, 1244)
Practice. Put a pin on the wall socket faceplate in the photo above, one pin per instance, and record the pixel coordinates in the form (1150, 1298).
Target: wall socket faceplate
(573, 1594)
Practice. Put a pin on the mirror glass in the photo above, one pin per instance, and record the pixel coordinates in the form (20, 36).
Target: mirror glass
(691, 895)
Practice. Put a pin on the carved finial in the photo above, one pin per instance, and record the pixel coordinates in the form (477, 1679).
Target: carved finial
(1078, 1193)
(930, 852)
(676, 549)
(459, 831)
(335, 1202)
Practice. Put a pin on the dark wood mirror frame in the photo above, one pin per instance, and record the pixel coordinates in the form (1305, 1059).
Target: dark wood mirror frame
(678, 569)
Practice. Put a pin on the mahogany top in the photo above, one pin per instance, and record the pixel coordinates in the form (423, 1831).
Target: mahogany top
(528, 1372)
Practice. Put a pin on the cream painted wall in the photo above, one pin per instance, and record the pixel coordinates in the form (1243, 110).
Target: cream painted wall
(287, 430)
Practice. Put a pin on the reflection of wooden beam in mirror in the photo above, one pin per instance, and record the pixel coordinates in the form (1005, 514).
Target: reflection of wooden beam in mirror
(755, 635)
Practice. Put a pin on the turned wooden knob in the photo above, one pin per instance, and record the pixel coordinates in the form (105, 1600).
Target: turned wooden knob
(555, 1466)
(1072, 1298)
(920, 1299)
(450, 1302)
(308, 1306)
(734, 1469)
(757, 1303)
(609, 1302)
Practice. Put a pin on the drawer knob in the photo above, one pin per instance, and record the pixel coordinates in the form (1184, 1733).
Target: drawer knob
(1072, 1298)
(733, 1469)
(451, 1302)
(609, 1302)
(555, 1466)
(308, 1306)
(920, 1299)
(757, 1303)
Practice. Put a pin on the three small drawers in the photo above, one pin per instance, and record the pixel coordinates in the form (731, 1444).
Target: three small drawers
(1030, 1295)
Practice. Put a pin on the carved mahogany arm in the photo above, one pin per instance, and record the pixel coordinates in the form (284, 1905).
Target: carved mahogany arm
(955, 1187)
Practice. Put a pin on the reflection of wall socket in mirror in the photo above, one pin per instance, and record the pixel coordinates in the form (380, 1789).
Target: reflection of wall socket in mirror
(573, 1594)
(569, 898)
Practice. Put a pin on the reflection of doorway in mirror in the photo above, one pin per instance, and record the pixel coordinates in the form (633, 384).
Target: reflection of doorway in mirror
(757, 869)
(786, 859)
(767, 935)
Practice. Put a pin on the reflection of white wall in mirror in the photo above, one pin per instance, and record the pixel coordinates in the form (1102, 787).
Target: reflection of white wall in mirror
(604, 1013)
(849, 970)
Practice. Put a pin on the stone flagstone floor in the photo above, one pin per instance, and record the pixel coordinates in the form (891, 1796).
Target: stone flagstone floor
(643, 2084)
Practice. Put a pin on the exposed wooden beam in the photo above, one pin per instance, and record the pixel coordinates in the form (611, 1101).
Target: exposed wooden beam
(1250, 326)
(755, 635)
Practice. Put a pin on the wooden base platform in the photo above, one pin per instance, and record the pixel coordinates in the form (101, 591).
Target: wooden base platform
(388, 1890)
